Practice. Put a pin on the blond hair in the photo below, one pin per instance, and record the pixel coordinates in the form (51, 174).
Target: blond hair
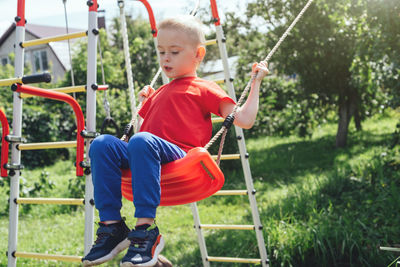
(189, 25)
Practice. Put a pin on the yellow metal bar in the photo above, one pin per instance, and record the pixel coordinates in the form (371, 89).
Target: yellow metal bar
(211, 42)
(227, 156)
(53, 39)
(47, 145)
(217, 119)
(237, 260)
(57, 201)
(42, 256)
(227, 226)
(219, 81)
(390, 249)
(7, 82)
(231, 193)
(69, 89)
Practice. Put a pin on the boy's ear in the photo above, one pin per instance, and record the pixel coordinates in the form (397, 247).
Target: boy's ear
(201, 52)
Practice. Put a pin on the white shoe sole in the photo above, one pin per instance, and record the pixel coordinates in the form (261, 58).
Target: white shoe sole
(120, 247)
(151, 263)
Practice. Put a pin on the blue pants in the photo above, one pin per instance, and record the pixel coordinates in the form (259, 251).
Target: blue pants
(144, 155)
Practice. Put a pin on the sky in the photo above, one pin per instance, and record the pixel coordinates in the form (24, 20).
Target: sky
(51, 12)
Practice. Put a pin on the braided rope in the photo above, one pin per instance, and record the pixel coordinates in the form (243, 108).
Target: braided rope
(223, 129)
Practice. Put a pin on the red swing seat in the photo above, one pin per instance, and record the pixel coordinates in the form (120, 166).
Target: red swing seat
(189, 179)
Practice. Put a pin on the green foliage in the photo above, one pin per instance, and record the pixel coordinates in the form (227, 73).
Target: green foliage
(284, 110)
(334, 51)
(28, 188)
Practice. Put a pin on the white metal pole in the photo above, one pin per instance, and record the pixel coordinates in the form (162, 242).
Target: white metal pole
(200, 236)
(243, 153)
(15, 153)
(90, 123)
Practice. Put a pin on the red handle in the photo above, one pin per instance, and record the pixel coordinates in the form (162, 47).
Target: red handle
(151, 17)
(4, 143)
(214, 11)
(94, 6)
(80, 121)
(21, 13)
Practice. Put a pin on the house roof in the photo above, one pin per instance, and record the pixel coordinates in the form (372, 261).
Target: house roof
(39, 31)
(214, 69)
(60, 49)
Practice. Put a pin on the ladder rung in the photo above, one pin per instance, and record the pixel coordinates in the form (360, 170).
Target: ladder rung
(238, 260)
(47, 145)
(219, 81)
(211, 42)
(53, 39)
(58, 201)
(390, 249)
(227, 156)
(7, 82)
(69, 89)
(227, 226)
(217, 119)
(231, 193)
(43, 256)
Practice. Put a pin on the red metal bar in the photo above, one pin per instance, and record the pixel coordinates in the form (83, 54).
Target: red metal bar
(214, 11)
(80, 121)
(4, 143)
(21, 13)
(94, 6)
(151, 17)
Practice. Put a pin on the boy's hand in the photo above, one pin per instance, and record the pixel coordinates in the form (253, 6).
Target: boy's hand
(261, 69)
(145, 93)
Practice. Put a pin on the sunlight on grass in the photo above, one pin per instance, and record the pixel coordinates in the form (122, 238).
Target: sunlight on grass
(315, 202)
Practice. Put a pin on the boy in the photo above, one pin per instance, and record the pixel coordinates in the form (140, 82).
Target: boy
(176, 118)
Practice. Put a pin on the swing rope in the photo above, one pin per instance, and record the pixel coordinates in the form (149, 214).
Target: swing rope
(231, 117)
(106, 104)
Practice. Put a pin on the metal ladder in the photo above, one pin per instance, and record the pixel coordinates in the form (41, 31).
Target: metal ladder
(16, 147)
(250, 191)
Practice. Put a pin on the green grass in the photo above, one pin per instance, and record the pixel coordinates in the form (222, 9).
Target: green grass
(320, 206)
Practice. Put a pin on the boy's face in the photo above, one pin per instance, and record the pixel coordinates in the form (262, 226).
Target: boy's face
(179, 56)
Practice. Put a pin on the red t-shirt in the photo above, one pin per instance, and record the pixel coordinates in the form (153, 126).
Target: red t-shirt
(180, 111)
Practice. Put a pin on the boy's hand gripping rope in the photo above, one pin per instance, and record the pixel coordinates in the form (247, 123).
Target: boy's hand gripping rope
(231, 117)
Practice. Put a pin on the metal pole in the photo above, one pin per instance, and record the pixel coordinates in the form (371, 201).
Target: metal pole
(17, 125)
(200, 236)
(242, 149)
(90, 118)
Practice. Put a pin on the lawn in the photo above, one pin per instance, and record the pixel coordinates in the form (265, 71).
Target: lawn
(320, 206)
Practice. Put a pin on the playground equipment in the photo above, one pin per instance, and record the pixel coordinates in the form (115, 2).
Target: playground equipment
(187, 184)
(88, 133)
(82, 167)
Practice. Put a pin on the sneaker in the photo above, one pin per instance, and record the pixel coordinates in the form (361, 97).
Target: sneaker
(146, 245)
(111, 240)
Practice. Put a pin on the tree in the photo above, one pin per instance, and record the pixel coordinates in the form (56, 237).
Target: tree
(321, 51)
